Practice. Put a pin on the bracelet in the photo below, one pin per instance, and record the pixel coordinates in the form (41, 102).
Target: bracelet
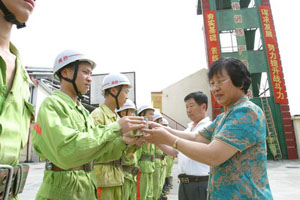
(174, 145)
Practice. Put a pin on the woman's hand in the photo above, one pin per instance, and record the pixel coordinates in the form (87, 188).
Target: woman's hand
(158, 135)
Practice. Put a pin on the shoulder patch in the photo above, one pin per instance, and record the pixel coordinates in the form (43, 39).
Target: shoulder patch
(37, 128)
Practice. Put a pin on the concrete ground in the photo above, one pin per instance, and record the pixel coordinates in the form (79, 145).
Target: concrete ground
(284, 177)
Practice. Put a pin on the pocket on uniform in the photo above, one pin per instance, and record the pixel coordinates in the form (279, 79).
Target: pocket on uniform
(28, 117)
(28, 109)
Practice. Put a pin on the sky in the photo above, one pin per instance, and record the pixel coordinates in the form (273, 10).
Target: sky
(161, 40)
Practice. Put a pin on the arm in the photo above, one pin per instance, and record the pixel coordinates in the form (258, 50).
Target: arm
(181, 134)
(56, 140)
(212, 154)
(168, 150)
(240, 131)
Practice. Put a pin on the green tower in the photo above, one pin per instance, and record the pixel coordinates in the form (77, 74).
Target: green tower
(244, 29)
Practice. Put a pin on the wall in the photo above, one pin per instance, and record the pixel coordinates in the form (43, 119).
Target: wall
(172, 97)
(296, 122)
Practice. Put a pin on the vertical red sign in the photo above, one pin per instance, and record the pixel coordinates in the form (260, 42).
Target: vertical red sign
(212, 44)
(212, 38)
(271, 46)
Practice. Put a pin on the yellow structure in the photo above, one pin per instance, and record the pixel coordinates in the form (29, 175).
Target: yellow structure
(156, 98)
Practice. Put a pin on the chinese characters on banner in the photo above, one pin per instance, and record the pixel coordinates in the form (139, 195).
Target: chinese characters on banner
(212, 41)
(273, 55)
(212, 38)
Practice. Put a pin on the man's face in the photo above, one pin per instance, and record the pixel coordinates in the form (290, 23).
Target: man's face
(159, 120)
(128, 112)
(123, 96)
(131, 112)
(20, 8)
(84, 79)
(149, 114)
(194, 111)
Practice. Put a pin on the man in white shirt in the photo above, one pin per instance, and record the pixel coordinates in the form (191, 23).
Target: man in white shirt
(194, 175)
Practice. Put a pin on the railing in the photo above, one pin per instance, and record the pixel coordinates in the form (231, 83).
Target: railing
(173, 123)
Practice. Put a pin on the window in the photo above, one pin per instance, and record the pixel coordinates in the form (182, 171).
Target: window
(253, 39)
(226, 4)
(228, 41)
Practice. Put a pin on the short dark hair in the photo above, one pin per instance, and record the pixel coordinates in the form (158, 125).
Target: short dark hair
(199, 98)
(70, 66)
(236, 69)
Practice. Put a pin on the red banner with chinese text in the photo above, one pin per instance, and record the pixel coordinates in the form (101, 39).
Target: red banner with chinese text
(272, 51)
(212, 41)
(212, 38)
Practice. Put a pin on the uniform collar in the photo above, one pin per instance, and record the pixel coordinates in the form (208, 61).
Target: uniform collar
(13, 50)
(66, 98)
(108, 112)
(20, 67)
(19, 74)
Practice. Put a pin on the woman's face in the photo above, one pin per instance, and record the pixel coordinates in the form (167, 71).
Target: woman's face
(20, 8)
(222, 88)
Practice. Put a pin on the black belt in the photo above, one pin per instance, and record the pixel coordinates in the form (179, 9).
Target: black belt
(188, 179)
(134, 170)
(160, 156)
(12, 180)
(116, 163)
(148, 158)
(86, 167)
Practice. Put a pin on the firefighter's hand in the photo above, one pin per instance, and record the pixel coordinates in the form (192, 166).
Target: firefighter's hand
(131, 140)
(140, 142)
(130, 123)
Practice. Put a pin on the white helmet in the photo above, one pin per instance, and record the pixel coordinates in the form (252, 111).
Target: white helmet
(127, 105)
(157, 115)
(144, 107)
(68, 56)
(113, 80)
(165, 122)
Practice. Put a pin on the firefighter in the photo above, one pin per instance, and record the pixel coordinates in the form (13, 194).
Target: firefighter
(110, 176)
(159, 174)
(130, 167)
(65, 136)
(168, 185)
(146, 163)
(16, 113)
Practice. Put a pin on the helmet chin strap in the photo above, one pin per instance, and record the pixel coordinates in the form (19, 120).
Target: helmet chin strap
(73, 81)
(116, 96)
(10, 17)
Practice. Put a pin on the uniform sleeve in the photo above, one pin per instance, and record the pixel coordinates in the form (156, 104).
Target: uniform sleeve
(65, 146)
(114, 151)
(98, 117)
(241, 129)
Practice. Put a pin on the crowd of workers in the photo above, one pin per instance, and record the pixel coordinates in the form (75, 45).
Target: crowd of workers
(113, 154)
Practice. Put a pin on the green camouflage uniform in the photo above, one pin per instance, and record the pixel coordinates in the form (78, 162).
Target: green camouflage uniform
(65, 135)
(110, 178)
(129, 192)
(15, 112)
(145, 177)
(159, 174)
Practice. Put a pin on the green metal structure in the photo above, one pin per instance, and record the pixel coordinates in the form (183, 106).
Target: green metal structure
(244, 29)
